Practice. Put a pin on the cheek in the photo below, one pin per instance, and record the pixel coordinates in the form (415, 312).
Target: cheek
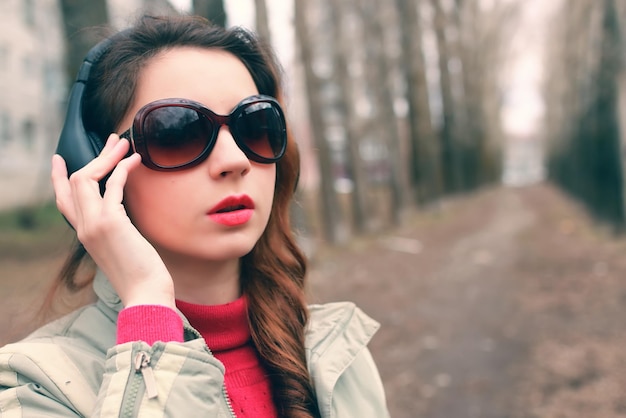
(134, 202)
(156, 208)
(269, 185)
(141, 197)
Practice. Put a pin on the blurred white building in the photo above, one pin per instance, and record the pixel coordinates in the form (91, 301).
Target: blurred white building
(32, 90)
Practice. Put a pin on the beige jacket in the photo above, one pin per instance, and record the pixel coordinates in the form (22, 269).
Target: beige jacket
(72, 368)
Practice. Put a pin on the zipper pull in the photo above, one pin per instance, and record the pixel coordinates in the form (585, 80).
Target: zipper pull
(142, 364)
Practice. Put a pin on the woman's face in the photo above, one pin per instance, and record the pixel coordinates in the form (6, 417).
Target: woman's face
(176, 210)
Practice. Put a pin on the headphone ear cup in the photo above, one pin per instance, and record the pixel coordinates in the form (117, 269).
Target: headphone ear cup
(76, 145)
(97, 145)
(96, 142)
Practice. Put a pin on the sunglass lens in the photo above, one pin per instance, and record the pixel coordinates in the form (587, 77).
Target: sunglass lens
(261, 128)
(175, 135)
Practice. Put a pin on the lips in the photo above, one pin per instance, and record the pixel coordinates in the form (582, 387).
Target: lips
(233, 210)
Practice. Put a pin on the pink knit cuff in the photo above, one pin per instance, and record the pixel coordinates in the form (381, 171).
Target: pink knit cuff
(149, 323)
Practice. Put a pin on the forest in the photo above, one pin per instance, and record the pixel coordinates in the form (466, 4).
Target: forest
(399, 103)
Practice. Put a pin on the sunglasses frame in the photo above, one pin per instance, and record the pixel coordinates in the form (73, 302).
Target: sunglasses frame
(139, 142)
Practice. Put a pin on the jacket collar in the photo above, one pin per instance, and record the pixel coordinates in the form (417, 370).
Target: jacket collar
(108, 300)
(111, 304)
(335, 334)
(338, 324)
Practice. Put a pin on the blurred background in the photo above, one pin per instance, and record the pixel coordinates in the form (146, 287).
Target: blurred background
(462, 182)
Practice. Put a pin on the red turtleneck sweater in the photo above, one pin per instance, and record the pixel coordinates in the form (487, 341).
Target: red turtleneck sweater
(226, 332)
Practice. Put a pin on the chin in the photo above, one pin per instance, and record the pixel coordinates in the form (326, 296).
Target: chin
(223, 250)
(229, 251)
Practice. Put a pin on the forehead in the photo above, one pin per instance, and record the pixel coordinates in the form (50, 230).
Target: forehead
(213, 77)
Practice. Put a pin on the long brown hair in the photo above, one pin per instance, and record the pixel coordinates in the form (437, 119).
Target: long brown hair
(273, 273)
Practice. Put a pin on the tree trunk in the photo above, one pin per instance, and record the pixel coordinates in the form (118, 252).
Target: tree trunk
(78, 15)
(478, 46)
(449, 151)
(583, 96)
(345, 102)
(262, 21)
(330, 213)
(466, 139)
(374, 19)
(212, 10)
(604, 130)
(424, 161)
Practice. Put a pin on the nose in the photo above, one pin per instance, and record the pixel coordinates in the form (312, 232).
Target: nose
(227, 158)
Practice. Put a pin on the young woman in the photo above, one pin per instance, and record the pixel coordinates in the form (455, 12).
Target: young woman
(200, 306)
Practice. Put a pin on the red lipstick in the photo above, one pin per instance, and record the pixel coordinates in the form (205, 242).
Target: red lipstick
(233, 210)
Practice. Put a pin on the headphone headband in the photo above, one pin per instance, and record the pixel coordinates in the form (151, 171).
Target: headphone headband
(76, 145)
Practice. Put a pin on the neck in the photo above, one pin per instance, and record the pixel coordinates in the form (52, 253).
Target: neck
(204, 282)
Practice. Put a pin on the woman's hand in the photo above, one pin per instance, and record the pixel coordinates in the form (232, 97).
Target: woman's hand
(130, 262)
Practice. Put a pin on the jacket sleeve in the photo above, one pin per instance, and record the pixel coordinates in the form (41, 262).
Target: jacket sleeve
(162, 380)
(40, 380)
(359, 392)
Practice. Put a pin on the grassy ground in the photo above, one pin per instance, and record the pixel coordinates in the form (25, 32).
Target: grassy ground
(32, 232)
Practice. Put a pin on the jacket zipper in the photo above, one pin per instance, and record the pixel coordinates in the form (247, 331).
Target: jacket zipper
(227, 398)
(129, 401)
(143, 371)
(224, 391)
(142, 364)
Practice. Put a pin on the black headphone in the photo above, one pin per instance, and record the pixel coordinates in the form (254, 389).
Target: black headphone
(77, 145)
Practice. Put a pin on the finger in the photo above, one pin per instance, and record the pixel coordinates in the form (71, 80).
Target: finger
(86, 198)
(114, 151)
(85, 182)
(114, 193)
(62, 189)
(110, 143)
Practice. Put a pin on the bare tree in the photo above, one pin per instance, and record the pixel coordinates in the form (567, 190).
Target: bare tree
(330, 213)
(78, 15)
(452, 176)
(212, 10)
(466, 48)
(374, 16)
(608, 193)
(584, 88)
(342, 55)
(262, 21)
(478, 46)
(424, 161)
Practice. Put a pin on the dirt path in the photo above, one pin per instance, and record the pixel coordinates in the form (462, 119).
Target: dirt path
(479, 321)
(474, 350)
